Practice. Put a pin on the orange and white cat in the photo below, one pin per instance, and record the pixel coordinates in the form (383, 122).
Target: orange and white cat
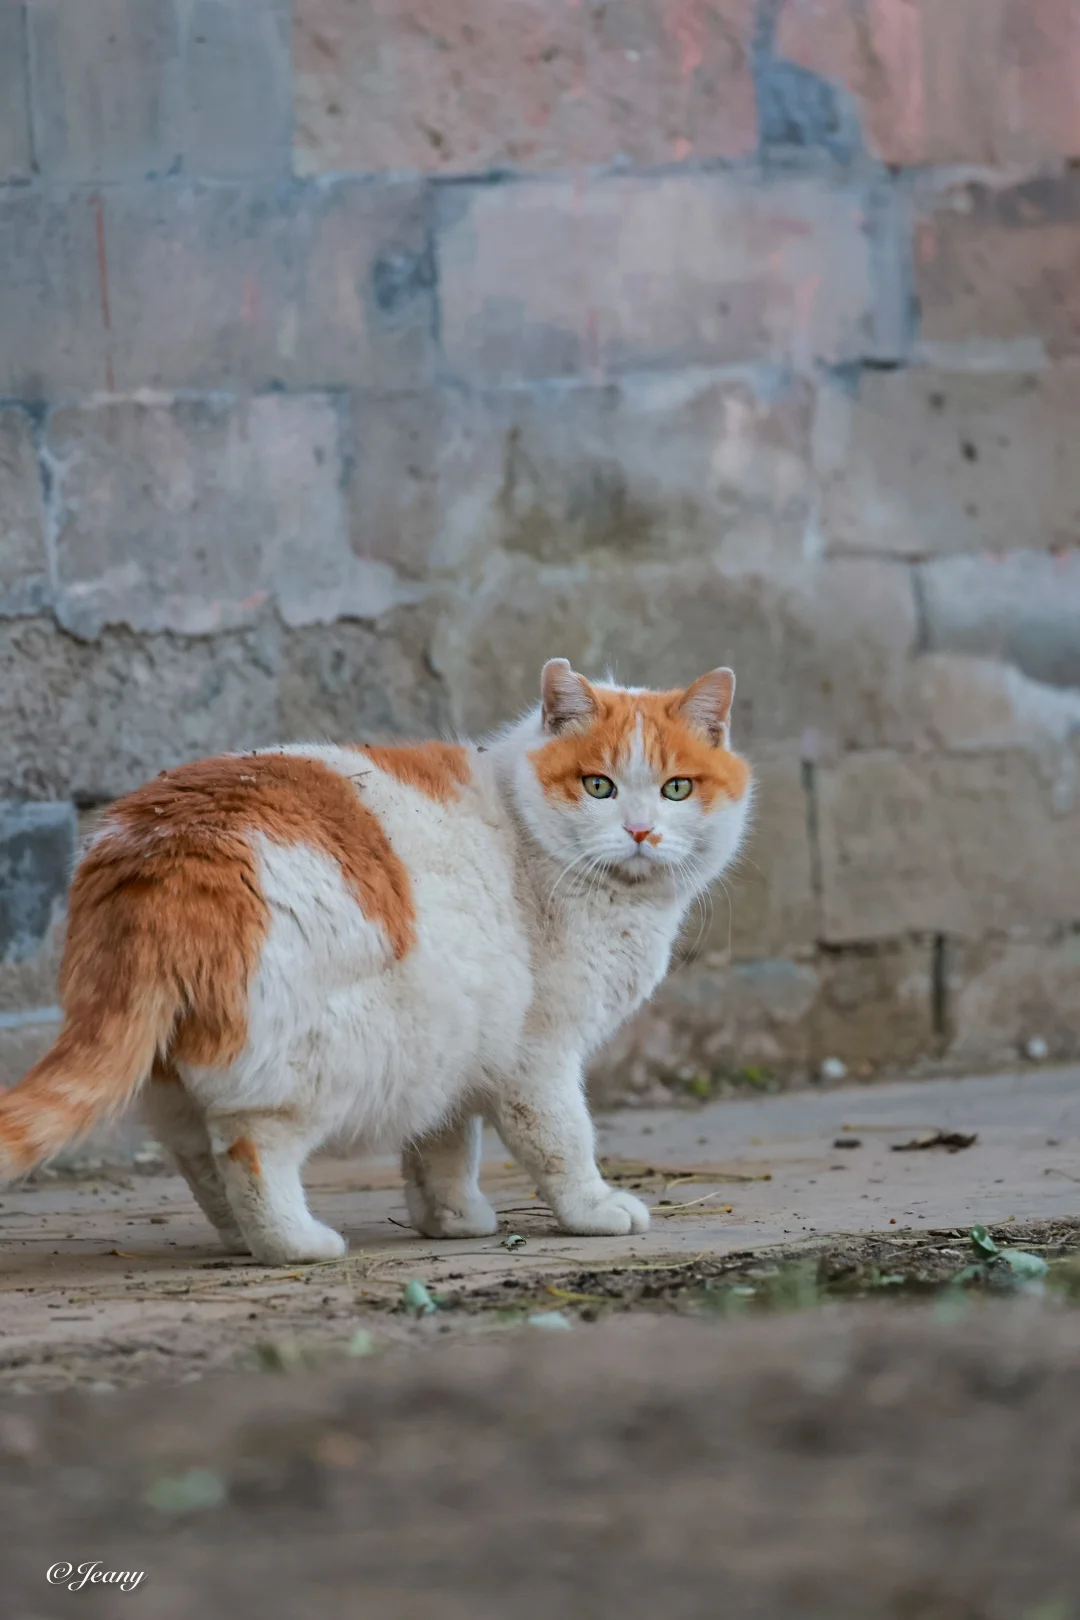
(387, 945)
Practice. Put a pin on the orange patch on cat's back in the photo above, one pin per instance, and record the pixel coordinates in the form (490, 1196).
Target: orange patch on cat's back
(672, 747)
(438, 770)
(169, 891)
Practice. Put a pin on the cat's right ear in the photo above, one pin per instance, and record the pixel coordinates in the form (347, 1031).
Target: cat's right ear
(566, 697)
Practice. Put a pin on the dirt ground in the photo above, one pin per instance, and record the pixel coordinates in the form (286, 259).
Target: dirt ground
(109, 1274)
(779, 1403)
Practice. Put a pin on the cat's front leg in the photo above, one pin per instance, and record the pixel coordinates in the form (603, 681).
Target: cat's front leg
(442, 1189)
(542, 1117)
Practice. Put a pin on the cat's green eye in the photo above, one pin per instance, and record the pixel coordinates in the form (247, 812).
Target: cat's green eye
(598, 787)
(679, 787)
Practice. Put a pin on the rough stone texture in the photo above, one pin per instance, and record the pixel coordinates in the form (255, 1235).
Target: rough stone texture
(650, 466)
(243, 284)
(354, 682)
(24, 574)
(37, 847)
(766, 905)
(1022, 606)
(818, 647)
(123, 89)
(15, 156)
(89, 721)
(194, 515)
(996, 266)
(1005, 992)
(968, 81)
(467, 89)
(875, 1006)
(959, 845)
(562, 278)
(923, 462)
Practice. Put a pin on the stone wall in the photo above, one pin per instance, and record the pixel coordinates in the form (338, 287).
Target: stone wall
(356, 355)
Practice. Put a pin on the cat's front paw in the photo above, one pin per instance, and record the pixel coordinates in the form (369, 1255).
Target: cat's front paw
(470, 1216)
(608, 1213)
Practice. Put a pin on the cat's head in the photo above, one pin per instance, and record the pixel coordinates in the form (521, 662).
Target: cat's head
(633, 781)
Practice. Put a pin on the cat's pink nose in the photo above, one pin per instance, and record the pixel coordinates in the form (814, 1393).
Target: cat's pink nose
(637, 832)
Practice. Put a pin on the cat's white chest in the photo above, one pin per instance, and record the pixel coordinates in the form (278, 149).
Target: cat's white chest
(603, 961)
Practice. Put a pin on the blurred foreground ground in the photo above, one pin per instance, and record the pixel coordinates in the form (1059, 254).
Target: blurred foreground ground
(773, 1406)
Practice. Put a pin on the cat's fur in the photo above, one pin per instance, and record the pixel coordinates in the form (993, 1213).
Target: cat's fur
(313, 945)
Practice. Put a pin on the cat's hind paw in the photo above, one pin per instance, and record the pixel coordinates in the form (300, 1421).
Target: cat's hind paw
(471, 1216)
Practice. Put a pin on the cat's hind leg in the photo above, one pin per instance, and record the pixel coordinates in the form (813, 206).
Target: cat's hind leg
(178, 1122)
(260, 1153)
(442, 1189)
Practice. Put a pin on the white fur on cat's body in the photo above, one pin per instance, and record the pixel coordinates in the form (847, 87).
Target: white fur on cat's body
(520, 971)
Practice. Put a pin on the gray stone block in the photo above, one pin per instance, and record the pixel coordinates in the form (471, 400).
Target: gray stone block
(923, 462)
(244, 284)
(876, 1006)
(765, 906)
(819, 648)
(194, 516)
(24, 569)
(37, 849)
(1006, 992)
(16, 160)
(956, 845)
(56, 339)
(1019, 606)
(968, 704)
(91, 720)
(650, 466)
(123, 89)
(103, 82)
(237, 86)
(569, 278)
(255, 285)
(357, 682)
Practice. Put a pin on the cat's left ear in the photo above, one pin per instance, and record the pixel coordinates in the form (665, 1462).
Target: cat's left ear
(707, 705)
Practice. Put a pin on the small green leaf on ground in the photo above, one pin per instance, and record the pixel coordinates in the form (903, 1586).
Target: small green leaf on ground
(556, 1321)
(513, 1240)
(416, 1299)
(193, 1492)
(361, 1344)
(982, 1242)
(1022, 1264)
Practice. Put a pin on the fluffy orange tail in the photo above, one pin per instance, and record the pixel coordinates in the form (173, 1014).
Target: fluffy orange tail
(97, 1063)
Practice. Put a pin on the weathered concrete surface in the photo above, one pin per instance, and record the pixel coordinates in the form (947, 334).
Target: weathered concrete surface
(415, 87)
(89, 1263)
(552, 278)
(122, 89)
(966, 82)
(994, 266)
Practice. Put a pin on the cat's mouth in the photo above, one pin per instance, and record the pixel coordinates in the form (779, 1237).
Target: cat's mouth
(640, 862)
